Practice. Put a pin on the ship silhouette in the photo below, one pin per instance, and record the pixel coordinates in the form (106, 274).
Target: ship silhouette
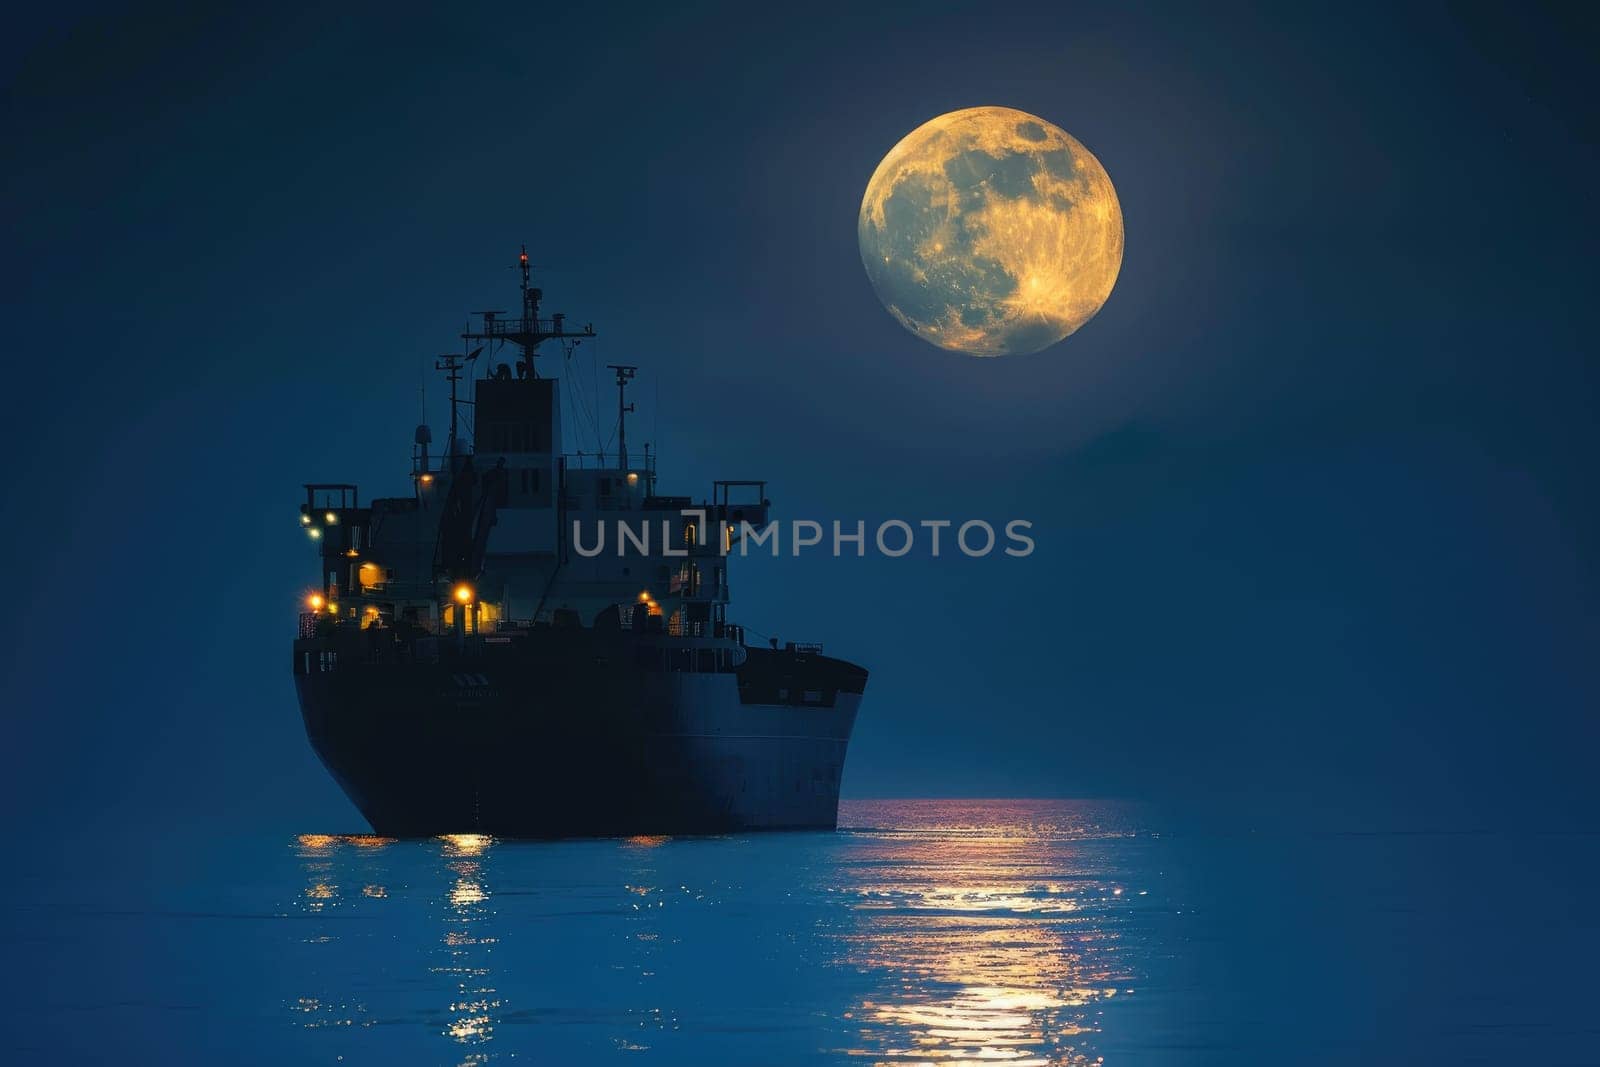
(462, 667)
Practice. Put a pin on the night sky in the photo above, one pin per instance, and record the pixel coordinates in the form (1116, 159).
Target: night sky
(1314, 493)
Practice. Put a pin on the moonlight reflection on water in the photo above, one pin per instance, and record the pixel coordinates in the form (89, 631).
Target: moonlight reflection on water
(924, 936)
(923, 932)
(985, 945)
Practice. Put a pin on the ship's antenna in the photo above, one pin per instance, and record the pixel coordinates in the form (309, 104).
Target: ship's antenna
(530, 296)
(625, 375)
(530, 331)
(452, 363)
(423, 436)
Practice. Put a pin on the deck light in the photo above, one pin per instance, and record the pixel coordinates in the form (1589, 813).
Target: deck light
(314, 532)
(331, 517)
(333, 609)
(463, 593)
(314, 601)
(426, 479)
(305, 520)
(633, 478)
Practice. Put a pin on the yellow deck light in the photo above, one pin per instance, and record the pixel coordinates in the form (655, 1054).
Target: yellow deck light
(331, 518)
(463, 593)
(314, 601)
(314, 532)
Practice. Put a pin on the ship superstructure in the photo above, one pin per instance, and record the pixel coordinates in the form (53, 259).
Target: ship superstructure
(534, 643)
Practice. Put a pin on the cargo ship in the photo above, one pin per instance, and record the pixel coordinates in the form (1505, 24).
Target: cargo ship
(531, 643)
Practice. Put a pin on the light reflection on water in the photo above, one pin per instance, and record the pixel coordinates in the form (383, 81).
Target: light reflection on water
(468, 945)
(932, 933)
(996, 937)
(923, 933)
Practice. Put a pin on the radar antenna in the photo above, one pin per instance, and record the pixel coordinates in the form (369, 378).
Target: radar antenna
(530, 331)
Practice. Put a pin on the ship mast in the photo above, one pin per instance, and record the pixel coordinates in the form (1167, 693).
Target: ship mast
(452, 363)
(625, 375)
(530, 331)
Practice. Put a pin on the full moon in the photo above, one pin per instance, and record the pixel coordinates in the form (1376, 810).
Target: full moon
(991, 232)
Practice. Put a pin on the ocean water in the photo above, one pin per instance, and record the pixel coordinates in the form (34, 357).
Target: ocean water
(922, 932)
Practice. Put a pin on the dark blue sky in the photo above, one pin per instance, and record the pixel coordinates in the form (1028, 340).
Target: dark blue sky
(1314, 493)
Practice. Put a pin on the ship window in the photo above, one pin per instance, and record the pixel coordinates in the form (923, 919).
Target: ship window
(690, 533)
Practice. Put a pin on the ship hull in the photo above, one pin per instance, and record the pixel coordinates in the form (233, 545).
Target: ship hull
(569, 735)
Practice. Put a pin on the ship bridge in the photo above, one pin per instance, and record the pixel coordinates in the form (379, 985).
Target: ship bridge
(505, 531)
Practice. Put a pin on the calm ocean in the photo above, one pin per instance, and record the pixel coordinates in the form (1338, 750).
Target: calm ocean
(937, 932)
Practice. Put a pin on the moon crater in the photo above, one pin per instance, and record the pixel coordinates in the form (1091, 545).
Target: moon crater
(991, 232)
